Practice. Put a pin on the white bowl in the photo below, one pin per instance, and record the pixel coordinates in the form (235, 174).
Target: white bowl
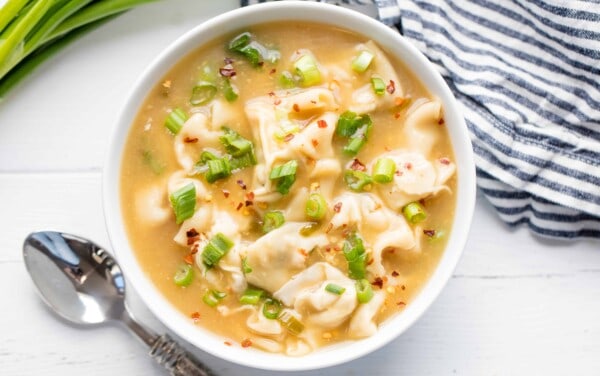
(229, 23)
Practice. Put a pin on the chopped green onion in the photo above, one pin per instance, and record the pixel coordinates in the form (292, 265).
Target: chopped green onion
(286, 128)
(234, 143)
(244, 161)
(291, 323)
(183, 202)
(285, 175)
(271, 308)
(175, 120)
(272, 220)
(217, 169)
(184, 275)
(216, 248)
(306, 67)
(378, 85)
(251, 296)
(335, 289)
(245, 267)
(346, 124)
(155, 165)
(355, 144)
(384, 170)
(240, 41)
(202, 93)
(206, 156)
(414, 212)
(354, 252)
(316, 206)
(357, 181)
(286, 80)
(213, 297)
(230, 91)
(364, 291)
(309, 228)
(357, 127)
(361, 63)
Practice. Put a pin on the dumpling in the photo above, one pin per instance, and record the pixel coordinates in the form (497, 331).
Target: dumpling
(277, 256)
(416, 178)
(364, 98)
(306, 293)
(258, 323)
(421, 125)
(363, 323)
(152, 205)
(192, 138)
(315, 141)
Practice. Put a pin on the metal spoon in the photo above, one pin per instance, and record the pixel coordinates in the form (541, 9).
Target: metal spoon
(84, 284)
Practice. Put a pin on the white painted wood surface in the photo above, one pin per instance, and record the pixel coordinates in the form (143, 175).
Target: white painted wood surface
(517, 305)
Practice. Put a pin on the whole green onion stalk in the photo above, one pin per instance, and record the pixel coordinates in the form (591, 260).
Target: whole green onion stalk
(33, 30)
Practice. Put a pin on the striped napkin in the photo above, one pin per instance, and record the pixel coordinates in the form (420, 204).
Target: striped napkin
(527, 74)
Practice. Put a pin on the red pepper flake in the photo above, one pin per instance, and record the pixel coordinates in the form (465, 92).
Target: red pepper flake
(397, 115)
(194, 249)
(296, 107)
(378, 282)
(227, 343)
(225, 193)
(227, 71)
(399, 101)
(336, 248)
(403, 287)
(250, 196)
(314, 142)
(322, 123)
(327, 248)
(444, 161)
(195, 316)
(303, 252)
(391, 87)
(188, 259)
(441, 121)
(191, 233)
(401, 304)
(261, 63)
(329, 227)
(192, 240)
(429, 233)
(246, 343)
(408, 165)
(277, 102)
(273, 71)
(288, 137)
(370, 261)
(228, 61)
(357, 165)
(190, 140)
(399, 173)
(271, 94)
(313, 101)
(310, 161)
(395, 273)
(248, 203)
(240, 205)
(241, 184)
(337, 207)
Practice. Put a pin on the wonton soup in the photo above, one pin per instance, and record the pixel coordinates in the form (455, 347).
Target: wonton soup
(289, 187)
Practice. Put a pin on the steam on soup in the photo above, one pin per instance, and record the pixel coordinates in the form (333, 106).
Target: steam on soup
(289, 187)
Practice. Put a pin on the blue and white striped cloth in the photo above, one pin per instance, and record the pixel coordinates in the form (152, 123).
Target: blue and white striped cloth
(527, 73)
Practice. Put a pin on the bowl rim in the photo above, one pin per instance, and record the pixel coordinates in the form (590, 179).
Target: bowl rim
(227, 23)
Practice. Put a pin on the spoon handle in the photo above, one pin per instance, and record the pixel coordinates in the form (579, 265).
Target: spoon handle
(176, 359)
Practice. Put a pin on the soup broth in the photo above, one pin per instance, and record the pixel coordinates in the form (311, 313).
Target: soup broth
(332, 195)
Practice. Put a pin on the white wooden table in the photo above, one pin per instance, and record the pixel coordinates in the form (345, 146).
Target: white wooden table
(516, 305)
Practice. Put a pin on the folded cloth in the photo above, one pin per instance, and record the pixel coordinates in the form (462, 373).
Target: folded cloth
(527, 74)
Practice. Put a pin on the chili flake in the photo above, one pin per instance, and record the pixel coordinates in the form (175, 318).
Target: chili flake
(246, 343)
(429, 233)
(314, 142)
(444, 161)
(296, 107)
(195, 316)
(188, 259)
(288, 137)
(391, 87)
(191, 233)
(321, 123)
(395, 273)
(190, 140)
(337, 207)
(357, 165)
(241, 184)
(378, 282)
(225, 193)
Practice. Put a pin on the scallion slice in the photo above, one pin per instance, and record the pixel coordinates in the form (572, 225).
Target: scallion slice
(316, 207)
(213, 297)
(251, 296)
(361, 62)
(272, 220)
(245, 267)
(384, 170)
(217, 169)
(414, 212)
(354, 252)
(364, 291)
(346, 124)
(286, 80)
(271, 308)
(378, 85)
(240, 41)
(244, 161)
(291, 323)
(234, 143)
(175, 120)
(230, 91)
(335, 289)
(183, 202)
(357, 181)
(355, 144)
(309, 229)
(202, 93)
(308, 71)
(216, 248)
(184, 275)
(284, 175)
